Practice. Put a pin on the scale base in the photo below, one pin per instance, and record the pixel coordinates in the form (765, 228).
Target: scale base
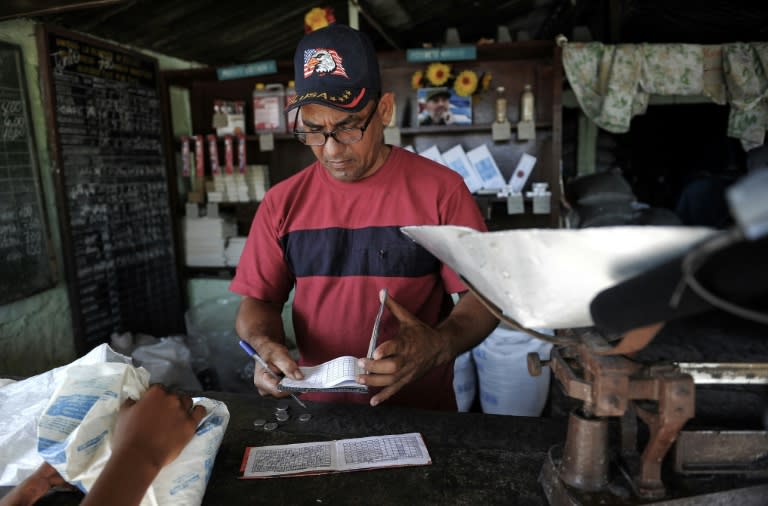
(710, 491)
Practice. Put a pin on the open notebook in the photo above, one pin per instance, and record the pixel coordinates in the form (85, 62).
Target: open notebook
(339, 374)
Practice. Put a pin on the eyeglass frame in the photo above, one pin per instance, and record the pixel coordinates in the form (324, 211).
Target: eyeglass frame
(366, 124)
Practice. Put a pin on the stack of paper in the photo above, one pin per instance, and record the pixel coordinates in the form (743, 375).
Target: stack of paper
(216, 191)
(486, 168)
(234, 250)
(477, 167)
(239, 191)
(256, 180)
(204, 240)
(456, 159)
(432, 153)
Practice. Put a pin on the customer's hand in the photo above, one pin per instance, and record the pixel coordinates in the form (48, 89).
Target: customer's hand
(149, 433)
(157, 426)
(34, 487)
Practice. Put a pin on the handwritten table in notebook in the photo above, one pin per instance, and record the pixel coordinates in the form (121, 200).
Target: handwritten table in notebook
(476, 458)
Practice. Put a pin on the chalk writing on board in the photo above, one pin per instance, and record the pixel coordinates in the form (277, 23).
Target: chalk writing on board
(25, 266)
(120, 247)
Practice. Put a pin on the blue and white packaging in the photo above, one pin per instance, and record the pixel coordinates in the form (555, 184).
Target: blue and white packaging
(75, 433)
(72, 427)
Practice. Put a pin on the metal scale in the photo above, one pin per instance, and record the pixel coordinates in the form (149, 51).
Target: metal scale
(603, 460)
(587, 470)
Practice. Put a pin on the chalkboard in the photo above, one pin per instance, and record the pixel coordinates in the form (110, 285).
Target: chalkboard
(25, 260)
(105, 116)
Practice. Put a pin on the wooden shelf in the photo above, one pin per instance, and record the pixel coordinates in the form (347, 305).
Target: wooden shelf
(454, 130)
(437, 129)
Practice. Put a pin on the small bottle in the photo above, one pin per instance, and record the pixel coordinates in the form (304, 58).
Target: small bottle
(527, 106)
(501, 105)
(268, 108)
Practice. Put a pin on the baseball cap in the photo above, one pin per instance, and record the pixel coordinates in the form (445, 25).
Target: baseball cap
(438, 92)
(337, 67)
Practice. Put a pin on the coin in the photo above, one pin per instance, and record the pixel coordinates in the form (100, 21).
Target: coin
(270, 426)
(282, 416)
(304, 417)
(258, 423)
(282, 406)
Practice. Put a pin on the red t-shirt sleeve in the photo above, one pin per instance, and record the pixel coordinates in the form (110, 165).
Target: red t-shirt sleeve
(262, 272)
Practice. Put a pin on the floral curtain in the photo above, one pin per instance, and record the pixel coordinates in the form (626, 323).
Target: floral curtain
(613, 83)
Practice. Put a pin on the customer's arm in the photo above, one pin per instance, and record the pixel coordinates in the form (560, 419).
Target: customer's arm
(418, 348)
(34, 487)
(149, 434)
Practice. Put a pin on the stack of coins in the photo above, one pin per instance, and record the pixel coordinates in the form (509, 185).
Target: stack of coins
(281, 412)
(281, 415)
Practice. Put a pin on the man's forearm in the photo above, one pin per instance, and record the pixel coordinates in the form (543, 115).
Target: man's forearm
(257, 318)
(466, 327)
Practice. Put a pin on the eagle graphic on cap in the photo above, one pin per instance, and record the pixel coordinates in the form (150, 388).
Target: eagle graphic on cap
(323, 62)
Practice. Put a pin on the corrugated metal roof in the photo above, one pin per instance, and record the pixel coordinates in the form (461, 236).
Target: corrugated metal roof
(223, 32)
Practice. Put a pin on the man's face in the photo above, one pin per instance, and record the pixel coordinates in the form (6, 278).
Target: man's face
(438, 106)
(347, 162)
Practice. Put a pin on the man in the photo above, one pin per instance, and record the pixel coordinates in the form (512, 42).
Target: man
(333, 230)
(437, 109)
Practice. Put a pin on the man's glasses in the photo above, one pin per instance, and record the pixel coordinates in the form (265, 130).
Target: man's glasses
(340, 135)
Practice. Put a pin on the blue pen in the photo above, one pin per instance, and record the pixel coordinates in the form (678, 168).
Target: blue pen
(250, 351)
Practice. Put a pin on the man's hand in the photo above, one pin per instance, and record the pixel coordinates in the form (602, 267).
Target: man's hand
(260, 324)
(277, 357)
(415, 350)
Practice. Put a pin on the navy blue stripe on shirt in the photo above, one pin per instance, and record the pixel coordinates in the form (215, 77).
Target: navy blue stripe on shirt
(373, 251)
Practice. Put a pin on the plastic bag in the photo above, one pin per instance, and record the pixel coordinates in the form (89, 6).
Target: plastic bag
(22, 403)
(168, 362)
(74, 433)
(26, 403)
(506, 387)
(211, 327)
(465, 381)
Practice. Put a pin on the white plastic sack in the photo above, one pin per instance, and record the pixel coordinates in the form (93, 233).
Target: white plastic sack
(75, 432)
(506, 387)
(22, 403)
(77, 404)
(169, 362)
(464, 381)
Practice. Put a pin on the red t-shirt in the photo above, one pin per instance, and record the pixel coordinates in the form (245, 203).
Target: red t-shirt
(340, 243)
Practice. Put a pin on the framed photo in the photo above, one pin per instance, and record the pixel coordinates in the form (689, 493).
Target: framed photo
(442, 106)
